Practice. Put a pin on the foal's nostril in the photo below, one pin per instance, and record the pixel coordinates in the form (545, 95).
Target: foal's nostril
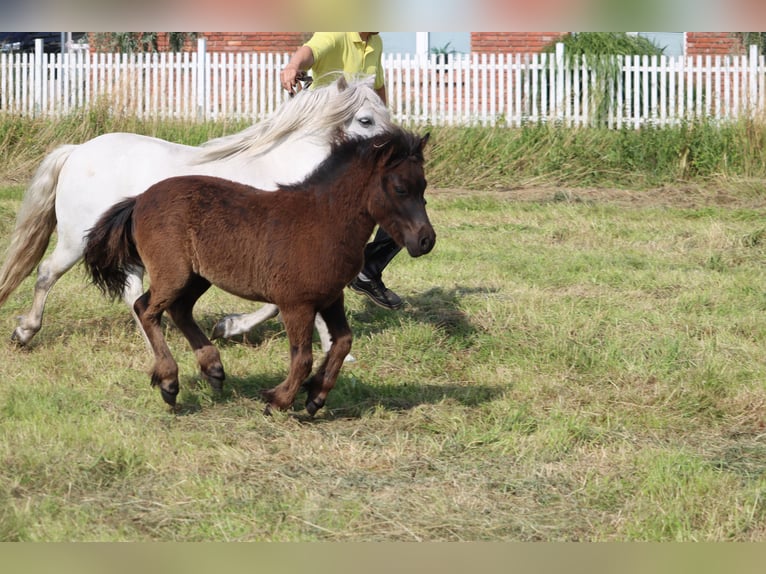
(426, 243)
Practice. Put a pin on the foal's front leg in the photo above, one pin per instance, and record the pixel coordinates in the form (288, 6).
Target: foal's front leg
(299, 323)
(323, 381)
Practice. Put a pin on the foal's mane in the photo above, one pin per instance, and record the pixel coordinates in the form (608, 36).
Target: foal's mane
(396, 145)
(312, 111)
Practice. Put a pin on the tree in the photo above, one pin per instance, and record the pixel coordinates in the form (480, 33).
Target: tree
(757, 38)
(606, 44)
(601, 51)
(141, 41)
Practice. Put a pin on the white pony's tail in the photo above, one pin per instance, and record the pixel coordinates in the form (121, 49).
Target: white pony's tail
(35, 223)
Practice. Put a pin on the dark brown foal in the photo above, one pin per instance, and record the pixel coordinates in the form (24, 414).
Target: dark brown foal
(297, 247)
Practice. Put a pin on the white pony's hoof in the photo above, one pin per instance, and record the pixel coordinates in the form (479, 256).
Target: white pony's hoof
(222, 329)
(349, 359)
(17, 339)
(21, 335)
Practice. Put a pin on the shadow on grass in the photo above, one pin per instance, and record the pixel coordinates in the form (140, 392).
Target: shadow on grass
(352, 397)
(355, 393)
(437, 307)
(744, 455)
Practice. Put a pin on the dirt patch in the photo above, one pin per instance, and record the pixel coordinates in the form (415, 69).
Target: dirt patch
(744, 195)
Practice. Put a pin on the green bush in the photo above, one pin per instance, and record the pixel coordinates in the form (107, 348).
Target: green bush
(695, 151)
(469, 157)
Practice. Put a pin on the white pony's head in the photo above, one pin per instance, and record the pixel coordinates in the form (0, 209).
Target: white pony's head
(345, 107)
(359, 109)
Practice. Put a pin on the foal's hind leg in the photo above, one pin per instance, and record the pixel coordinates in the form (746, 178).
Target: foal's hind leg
(165, 371)
(323, 381)
(208, 357)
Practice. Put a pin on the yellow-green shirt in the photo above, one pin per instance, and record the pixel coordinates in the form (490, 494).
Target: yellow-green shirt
(346, 52)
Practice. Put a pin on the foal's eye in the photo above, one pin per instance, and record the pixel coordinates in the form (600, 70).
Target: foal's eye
(400, 190)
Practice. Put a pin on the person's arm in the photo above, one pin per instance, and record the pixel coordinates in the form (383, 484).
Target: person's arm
(302, 60)
(381, 91)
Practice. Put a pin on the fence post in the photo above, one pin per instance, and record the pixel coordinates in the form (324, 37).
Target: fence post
(753, 80)
(202, 98)
(38, 77)
(560, 74)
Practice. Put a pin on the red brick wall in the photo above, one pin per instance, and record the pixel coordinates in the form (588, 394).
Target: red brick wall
(278, 42)
(723, 43)
(511, 42)
(715, 43)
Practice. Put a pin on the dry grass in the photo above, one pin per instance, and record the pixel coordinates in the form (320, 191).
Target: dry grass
(572, 364)
(575, 362)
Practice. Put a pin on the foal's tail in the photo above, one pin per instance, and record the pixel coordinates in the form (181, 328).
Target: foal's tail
(110, 252)
(35, 223)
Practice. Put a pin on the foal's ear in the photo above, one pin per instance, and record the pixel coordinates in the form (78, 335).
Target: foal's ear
(424, 141)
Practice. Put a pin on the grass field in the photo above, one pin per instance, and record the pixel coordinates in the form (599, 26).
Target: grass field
(572, 364)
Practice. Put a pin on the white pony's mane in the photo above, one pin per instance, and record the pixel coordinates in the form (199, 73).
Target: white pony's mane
(308, 111)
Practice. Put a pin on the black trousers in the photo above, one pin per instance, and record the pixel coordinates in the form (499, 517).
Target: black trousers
(378, 253)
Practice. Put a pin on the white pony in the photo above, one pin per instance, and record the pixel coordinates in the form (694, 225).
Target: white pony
(75, 184)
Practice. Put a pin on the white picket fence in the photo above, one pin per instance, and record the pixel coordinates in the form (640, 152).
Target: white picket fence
(473, 89)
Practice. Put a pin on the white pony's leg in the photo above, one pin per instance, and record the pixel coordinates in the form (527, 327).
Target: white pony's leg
(134, 288)
(242, 322)
(326, 340)
(49, 271)
(237, 324)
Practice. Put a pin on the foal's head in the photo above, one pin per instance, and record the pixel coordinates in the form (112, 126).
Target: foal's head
(397, 204)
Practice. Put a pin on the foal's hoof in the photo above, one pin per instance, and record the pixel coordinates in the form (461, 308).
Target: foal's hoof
(313, 406)
(268, 397)
(215, 377)
(168, 397)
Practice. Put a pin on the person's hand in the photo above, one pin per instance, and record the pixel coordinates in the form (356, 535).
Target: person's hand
(289, 78)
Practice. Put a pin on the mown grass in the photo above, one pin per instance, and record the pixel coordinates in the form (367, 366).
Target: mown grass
(580, 369)
(580, 358)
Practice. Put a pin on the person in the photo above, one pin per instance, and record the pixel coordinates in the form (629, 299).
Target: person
(353, 53)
